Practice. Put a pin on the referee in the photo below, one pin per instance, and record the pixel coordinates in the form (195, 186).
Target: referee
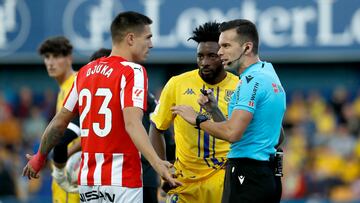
(256, 111)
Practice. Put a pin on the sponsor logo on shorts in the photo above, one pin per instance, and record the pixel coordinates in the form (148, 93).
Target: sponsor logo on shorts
(94, 195)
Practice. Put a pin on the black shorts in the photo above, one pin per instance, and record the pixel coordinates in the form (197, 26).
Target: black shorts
(249, 180)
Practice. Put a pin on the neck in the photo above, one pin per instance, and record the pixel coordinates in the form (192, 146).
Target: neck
(220, 77)
(61, 79)
(120, 50)
(248, 62)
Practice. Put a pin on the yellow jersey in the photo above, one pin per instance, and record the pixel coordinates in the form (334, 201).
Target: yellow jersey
(198, 154)
(64, 90)
(58, 194)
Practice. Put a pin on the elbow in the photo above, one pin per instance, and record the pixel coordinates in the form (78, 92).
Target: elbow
(233, 137)
(129, 126)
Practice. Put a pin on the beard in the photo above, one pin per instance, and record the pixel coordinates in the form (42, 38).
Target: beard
(210, 77)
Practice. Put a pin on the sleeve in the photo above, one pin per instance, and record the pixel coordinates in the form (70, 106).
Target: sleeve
(134, 86)
(249, 93)
(71, 101)
(162, 117)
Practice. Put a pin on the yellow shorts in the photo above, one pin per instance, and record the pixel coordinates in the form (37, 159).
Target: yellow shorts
(61, 196)
(208, 190)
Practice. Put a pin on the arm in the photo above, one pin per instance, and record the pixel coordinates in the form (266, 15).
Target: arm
(76, 147)
(158, 141)
(229, 130)
(137, 132)
(60, 153)
(217, 115)
(52, 135)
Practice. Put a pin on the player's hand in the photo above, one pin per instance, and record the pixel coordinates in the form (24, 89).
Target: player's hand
(186, 112)
(34, 165)
(207, 100)
(164, 169)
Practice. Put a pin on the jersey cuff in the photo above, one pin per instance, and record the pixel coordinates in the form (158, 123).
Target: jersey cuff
(245, 108)
(74, 128)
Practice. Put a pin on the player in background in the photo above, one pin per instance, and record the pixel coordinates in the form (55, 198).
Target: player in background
(200, 158)
(109, 94)
(57, 55)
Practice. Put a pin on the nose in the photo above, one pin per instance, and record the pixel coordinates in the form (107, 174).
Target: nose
(150, 45)
(220, 52)
(205, 61)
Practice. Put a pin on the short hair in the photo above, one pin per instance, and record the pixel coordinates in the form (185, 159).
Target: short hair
(100, 53)
(58, 45)
(126, 22)
(245, 29)
(208, 32)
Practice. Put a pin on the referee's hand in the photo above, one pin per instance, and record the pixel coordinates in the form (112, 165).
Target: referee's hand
(207, 100)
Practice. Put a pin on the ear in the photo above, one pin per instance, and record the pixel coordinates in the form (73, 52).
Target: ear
(248, 47)
(130, 38)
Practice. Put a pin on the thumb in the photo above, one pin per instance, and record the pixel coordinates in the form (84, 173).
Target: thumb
(28, 156)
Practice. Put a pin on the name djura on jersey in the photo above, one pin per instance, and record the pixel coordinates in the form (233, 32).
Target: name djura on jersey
(101, 68)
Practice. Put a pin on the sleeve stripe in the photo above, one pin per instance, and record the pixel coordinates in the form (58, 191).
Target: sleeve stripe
(122, 91)
(139, 83)
(72, 98)
(74, 128)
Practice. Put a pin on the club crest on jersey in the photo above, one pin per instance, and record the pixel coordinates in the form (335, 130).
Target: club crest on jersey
(228, 94)
(138, 94)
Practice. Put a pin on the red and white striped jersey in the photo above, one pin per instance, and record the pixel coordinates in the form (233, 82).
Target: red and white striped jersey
(101, 90)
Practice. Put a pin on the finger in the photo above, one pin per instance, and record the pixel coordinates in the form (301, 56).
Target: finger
(24, 171)
(36, 175)
(174, 182)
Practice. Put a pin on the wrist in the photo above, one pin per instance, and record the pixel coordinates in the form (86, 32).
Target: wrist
(38, 161)
(200, 118)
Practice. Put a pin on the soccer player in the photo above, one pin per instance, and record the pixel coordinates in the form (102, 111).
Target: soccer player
(256, 110)
(109, 94)
(200, 158)
(57, 56)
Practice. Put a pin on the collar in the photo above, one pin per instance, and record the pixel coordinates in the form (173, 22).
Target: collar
(252, 67)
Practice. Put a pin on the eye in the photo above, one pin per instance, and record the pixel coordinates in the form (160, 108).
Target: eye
(213, 56)
(200, 57)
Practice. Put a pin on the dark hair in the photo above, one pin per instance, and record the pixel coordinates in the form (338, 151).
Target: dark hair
(100, 53)
(246, 31)
(208, 32)
(58, 45)
(126, 22)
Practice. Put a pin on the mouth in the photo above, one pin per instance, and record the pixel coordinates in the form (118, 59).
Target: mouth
(206, 71)
(224, 61)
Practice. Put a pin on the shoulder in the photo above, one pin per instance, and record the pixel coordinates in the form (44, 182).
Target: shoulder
(232, 76)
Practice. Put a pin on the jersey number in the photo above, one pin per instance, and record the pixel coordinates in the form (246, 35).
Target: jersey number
(85, 94)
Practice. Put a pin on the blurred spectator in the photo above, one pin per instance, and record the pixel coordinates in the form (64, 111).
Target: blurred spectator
(34, 125)
(22, 110)
(10, 128)
(338, 100)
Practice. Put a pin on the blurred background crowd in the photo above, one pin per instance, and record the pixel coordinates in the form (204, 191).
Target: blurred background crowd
(322, 146)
